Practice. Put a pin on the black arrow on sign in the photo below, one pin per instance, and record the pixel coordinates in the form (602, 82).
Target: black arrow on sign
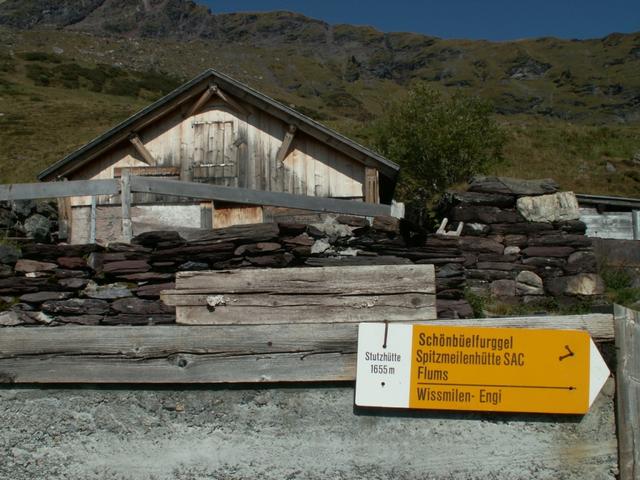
(570, 354)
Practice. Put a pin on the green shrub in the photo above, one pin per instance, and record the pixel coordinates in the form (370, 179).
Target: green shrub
(39, 57)
(41, 76)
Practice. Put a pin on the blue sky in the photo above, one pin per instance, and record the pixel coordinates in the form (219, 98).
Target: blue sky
(474, 19)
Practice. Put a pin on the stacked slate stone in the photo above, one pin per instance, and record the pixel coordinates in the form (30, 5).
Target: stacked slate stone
(29, 219)
(523, 242)
(120, 284)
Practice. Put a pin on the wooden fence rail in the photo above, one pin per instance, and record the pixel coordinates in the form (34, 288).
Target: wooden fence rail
(130, 183)
(289, 352)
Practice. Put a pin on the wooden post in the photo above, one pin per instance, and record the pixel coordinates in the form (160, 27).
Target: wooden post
(125, 198)
(92, 228)
(371, 185)
(63, 220)
(627, 332)
(635, 217)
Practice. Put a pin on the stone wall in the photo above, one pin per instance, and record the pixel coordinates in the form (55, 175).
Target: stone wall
(56, 284)
(37, 220)
(522, 243)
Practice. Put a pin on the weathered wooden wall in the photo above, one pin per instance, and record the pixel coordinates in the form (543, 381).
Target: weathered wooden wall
(230, 148)
(616, 225)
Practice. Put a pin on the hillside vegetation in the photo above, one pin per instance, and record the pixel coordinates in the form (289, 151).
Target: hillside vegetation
(68, 72)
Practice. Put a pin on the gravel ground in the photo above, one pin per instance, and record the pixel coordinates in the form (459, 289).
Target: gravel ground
(285, 433)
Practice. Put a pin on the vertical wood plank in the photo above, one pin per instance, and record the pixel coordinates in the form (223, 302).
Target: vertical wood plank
(125, 195)
(627, 334)
(635, 218)
(92, 227)
(64, 218)
(371, 185)
(206, 215)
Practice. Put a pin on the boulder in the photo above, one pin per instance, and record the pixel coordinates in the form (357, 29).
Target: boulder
(581, 262)
(278, 260)
(73, 283)
(561, 239)
(38, 227)
(260, 247)
(331, 229)
(152, 239)
(477, 198)
(515, 240)
(484, 214)
(528, 283)
(28, 266)
(11, 319)
(454, 309)
(503, 288)
(76, 306)
(80, 319)
(558, 207)
(72, 262)
(512, 186)
(111, 291)
(147, 277)
(543, 262)
(5, 271)
(489, 275)
(583, 284)
(386, 224)
(526, 228)
(483, 245)
(320, 246)
(475, 228)
(302, 240)
(23, 207)
(153, 290)
(127, 266)
(139, 306)
(511, 250)
(40, 297)
(193, 266)
(134, 319)
(9, 253)
(559, 252)
(7, 219)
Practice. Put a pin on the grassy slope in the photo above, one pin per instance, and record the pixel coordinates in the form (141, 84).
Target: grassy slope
(40, 124)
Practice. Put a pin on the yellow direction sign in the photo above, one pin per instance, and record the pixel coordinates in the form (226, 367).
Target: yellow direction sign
(476, 368)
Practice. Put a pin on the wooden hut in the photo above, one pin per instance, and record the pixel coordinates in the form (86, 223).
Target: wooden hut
(219, 131)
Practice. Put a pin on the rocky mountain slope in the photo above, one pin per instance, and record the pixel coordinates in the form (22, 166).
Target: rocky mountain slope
(113, 56)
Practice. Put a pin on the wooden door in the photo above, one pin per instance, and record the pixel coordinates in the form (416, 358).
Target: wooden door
(215, 153)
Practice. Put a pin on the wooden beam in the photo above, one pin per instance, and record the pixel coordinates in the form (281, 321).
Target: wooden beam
(125, 198)
(228, 100)
(256, 197)
(369, 280)
(201, 102)
(73, 188)
(148, 171)
(286, 144)
(217, 354)
(142, 150)
(627, 329)
(371, 185)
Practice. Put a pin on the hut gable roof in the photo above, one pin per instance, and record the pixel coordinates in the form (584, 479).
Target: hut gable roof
(189, 92)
